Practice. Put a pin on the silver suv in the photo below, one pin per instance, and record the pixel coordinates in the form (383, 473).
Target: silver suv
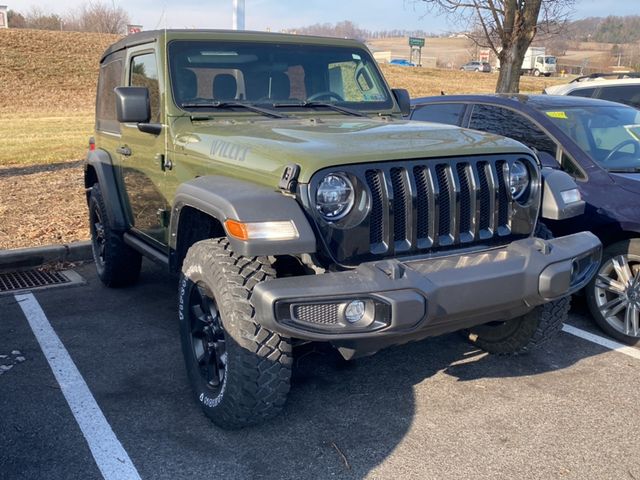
(476, 66)
(621, 88)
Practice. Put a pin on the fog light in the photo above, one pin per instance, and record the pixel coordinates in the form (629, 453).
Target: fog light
(354, 311)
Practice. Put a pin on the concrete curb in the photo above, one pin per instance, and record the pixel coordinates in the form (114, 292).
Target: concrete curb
(33, 257)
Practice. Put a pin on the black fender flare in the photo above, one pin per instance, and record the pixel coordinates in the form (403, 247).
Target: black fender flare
(227, 198)
(99, 161)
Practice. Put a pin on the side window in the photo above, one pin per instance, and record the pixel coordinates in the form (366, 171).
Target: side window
(144, 73)
(110, 78)
(582, 92)
(508, 123)
(628, 94)
(449, 113)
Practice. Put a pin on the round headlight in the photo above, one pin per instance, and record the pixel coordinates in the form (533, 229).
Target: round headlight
(335, 196)
(518, 177)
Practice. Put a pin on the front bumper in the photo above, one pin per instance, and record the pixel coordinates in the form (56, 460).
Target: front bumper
(411, 299)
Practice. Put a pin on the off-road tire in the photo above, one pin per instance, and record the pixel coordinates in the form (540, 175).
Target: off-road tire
(625, 248)
(117, 264)
(258, 361)
(525, 333)
(522, 334)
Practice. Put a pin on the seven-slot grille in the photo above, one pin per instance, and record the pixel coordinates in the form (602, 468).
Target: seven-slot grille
(431, 205)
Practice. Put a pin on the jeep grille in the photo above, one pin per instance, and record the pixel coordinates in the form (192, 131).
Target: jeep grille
(432, 205)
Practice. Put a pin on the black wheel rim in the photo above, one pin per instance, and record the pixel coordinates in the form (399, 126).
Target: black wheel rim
(98, 235)
(206, 336)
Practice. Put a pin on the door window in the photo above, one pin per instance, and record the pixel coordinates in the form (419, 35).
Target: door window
(449, 113)
(144, 73)
(505, 122)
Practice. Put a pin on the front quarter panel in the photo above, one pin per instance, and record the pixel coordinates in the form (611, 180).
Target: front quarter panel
(226, 198)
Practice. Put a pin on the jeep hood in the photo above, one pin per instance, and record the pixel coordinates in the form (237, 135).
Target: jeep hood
(260, 149)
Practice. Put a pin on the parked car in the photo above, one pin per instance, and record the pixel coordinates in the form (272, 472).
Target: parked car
(476, 66)
(598, 143)
(622, 88)
(401, 62)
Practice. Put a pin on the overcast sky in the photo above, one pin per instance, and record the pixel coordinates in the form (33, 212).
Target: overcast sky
(279, 14)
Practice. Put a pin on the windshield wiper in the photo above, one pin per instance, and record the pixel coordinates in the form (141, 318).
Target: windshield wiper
(264, 111)
(313, 104)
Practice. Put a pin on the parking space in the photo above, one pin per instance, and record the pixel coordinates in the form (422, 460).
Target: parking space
(432, 409)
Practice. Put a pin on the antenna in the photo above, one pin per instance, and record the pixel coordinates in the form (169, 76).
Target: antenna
(165, 62)
(238, 14)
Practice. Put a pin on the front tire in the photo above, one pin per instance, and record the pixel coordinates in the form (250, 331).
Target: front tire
(528, 332)
(522, 334)
(239, 370)
(536, 73)
(613, 295)
(117, 264)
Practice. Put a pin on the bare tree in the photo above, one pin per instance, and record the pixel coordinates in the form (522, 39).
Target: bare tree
(507, 27)
(96, 16)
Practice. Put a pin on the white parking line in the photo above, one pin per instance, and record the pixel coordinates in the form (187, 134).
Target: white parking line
(604, 342)
(112, 459)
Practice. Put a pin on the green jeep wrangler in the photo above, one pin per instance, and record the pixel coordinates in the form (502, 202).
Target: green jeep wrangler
(276, 173)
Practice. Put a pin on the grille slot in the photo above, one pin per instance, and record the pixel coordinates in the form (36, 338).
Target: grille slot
(424, 195)
(444, 200)
(503, 197)
(485, 197)
(376, 219)
(319, 314)
(28, 279)
(466, 215)
(400, 202)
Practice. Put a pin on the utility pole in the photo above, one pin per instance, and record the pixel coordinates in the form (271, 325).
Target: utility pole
(238, 14)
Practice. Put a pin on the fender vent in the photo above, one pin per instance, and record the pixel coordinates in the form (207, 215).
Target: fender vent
(31, 279)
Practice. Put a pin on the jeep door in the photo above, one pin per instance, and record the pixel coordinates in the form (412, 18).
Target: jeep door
(141, 154)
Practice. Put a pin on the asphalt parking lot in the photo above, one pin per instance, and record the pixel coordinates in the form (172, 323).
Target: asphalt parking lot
(434, 409)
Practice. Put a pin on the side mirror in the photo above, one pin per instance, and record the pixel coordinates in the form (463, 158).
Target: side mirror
(404, 100)
(133, 104)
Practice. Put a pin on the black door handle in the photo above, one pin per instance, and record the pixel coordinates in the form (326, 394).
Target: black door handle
(126, 151)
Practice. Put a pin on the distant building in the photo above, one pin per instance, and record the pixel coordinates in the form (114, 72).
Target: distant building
(4, 21)
(131, 29)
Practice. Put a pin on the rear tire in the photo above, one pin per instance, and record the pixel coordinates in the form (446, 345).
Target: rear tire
(117, 264)
(239, 370)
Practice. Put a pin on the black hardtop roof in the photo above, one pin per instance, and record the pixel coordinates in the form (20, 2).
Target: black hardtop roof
(155, 35)
(535, 101)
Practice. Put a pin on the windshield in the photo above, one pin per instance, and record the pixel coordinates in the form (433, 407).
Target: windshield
(550, 60)
(609, 135)
(206, 72)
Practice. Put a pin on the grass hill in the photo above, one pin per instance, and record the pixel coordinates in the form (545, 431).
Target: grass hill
(49, 70)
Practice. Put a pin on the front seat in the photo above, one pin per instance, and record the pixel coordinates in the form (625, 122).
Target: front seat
(187, 83)
(225, 87)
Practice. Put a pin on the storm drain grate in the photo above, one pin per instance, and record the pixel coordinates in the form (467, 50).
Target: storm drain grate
(28, 279)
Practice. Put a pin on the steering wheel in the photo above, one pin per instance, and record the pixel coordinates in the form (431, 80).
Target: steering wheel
(620, 146)
(327, 93)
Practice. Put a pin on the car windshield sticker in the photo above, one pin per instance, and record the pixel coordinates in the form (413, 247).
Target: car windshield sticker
(561, 115)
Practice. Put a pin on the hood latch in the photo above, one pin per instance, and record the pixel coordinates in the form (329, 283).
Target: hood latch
(289, 180)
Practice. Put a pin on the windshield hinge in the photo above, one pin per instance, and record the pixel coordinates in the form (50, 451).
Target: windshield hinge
(289, 179)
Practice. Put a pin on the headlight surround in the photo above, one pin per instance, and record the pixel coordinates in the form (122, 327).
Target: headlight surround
(518, 179)
(335, 196)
